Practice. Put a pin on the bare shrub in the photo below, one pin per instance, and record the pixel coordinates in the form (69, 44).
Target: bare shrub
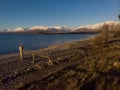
(98, 40)
(105, 34)
(103, 38)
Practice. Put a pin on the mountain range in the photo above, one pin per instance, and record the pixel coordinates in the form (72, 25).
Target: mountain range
(98, 27)
(63, 29)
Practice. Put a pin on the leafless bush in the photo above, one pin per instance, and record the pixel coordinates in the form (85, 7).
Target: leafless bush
(103, 38)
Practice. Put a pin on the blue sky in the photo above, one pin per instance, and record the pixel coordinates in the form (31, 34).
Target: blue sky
(71, 13)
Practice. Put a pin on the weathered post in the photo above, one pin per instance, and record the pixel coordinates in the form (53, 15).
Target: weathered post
(50, 62)
(33, 55)
(21, 52)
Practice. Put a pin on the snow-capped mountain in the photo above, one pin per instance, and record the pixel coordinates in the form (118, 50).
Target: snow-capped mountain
(41, 29)
(63, 29)
(19, 29)
(48, 28)
(96, 27)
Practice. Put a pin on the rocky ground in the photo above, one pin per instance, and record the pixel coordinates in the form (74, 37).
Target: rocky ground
(79, 65)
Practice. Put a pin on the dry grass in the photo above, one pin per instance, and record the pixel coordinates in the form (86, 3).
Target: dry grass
(82, 65)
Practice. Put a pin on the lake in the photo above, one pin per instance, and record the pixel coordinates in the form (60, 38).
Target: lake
(9, 42)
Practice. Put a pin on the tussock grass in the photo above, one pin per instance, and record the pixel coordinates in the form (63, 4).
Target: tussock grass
(85, 65)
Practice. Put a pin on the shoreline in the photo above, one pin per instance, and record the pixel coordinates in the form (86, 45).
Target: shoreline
(38, 44)
(49, 46)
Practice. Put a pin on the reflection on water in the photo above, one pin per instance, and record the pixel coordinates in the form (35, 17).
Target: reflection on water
(9, 42)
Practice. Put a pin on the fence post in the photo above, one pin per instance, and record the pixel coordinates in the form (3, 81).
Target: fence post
(33, 55)
(49, 61)
(21, 52)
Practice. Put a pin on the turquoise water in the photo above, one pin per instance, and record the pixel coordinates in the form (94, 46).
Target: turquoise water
(9, 42)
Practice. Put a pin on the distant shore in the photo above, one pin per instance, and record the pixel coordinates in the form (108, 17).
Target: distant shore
(49, 33)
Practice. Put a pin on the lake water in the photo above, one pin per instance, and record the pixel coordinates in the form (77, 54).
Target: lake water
(9, 42)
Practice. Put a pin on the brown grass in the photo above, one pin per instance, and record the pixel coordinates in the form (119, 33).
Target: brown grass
(82, 65)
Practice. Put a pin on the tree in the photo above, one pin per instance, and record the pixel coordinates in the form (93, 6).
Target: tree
(119, 16)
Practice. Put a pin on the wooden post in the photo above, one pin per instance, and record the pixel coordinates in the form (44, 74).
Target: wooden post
(50, 62)
(33, 55)
(21, 52)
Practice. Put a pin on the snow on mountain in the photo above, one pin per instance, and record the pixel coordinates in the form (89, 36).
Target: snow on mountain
(48, 28)
(64, 29)
(61, 27)
(40, 27)
(97, 26)
(19, 29)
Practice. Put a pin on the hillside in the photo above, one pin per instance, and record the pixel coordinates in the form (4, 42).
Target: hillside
(79, 65)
